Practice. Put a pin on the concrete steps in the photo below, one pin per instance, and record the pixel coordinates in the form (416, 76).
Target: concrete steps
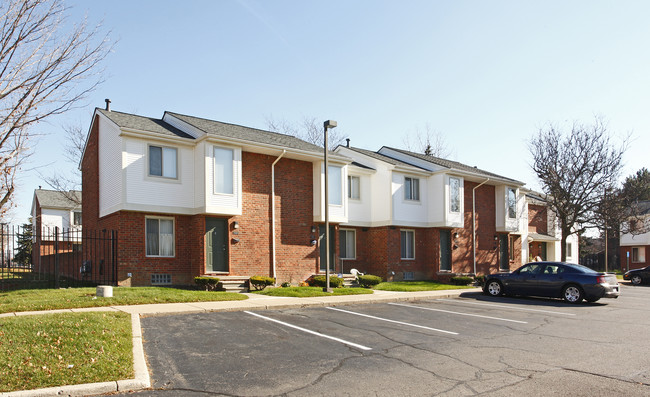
(234, 283)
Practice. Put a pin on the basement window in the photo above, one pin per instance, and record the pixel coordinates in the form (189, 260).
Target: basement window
(161, 279)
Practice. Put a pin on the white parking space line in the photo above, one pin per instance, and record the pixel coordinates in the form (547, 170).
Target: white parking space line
(310, 331)
(392, 321)
(507, 307)
(458, 313)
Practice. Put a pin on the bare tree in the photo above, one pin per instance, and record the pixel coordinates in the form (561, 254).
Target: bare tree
(47, 67)
(73, 150)
(428, 142)
(575, 170)
(308, 129)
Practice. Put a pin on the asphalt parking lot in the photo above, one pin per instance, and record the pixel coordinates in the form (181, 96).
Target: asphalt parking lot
(470, 345)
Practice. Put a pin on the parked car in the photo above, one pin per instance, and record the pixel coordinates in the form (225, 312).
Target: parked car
(568, 281)
(638, 276)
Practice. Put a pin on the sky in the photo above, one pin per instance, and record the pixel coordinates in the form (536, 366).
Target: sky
(485, 75)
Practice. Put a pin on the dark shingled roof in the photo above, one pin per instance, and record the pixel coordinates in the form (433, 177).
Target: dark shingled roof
(56, 199)
(452, 164)
(381, 157)
(226, 130)
(132, 121)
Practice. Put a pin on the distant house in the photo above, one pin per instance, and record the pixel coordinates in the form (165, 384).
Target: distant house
(543, 235)
(56, 214)
(635, 242)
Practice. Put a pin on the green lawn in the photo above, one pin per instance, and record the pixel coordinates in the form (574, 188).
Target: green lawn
(64, 349)
(412, 286)
(309, 292)
(49, 299)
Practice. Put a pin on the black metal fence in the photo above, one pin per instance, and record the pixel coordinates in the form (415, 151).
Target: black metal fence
(56, 258)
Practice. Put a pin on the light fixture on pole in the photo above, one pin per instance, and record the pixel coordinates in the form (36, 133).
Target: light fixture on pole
(327, 125)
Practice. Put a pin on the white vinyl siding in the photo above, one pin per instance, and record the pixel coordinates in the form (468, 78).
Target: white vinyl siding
(159, 237)
(407, 244)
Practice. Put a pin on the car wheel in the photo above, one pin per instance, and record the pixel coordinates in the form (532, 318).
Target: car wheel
(636, 279)
(494, 288)
(572, 294)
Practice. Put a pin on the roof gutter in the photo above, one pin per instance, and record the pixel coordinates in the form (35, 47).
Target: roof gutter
(474, 221)
(273, 256)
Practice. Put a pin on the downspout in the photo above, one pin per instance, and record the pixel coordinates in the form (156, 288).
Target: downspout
(273, 211)
(474, 221)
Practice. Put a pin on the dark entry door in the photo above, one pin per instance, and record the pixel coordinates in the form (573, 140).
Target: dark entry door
(504, 257)
(323, 259)
(445, 250)
(216, 245)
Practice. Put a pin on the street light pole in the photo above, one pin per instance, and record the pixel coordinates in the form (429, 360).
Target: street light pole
(327, 125)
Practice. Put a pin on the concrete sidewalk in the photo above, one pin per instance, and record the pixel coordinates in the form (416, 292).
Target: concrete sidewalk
(254, 302)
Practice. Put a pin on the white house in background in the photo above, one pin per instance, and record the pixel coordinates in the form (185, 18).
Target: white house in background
(543, 233)
(635, 247)
(52, 209)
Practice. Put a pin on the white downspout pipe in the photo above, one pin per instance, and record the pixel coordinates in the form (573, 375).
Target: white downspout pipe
(273, 212)
(474, 221)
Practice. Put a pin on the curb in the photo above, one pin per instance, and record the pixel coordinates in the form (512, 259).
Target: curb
(142, 379)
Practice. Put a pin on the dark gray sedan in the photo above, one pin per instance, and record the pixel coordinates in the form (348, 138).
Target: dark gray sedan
(568, 281)
(638, 276)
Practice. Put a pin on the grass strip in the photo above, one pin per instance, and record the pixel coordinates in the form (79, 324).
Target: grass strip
(50, 299)
(64, 349)
(413, 286)
(310, 292)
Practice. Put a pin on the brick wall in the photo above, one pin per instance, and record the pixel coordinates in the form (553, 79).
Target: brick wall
(537, 219)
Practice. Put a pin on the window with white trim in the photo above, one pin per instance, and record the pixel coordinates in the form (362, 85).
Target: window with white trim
(512, 202)
(335, 195)
(569, 248)
(354, 184)
(159, 237)
(223, 170)
(638, 254)
(411, 188)
(454, 194)
(163, 161)
(407, 244)
(76, 218)
(347, 244)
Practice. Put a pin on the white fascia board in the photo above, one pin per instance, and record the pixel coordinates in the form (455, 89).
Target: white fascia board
(356, 170)
(83, 153)
(176, 140)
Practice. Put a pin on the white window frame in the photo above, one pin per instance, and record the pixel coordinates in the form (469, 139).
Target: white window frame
(511, 207)
(347, 248)
(451, 197)
(214, 170)
(159, 218)
(569, 250)
(74, 218)
(351, 191)
(412, 244)
(162, 160)
(412, 193)
(640, 254)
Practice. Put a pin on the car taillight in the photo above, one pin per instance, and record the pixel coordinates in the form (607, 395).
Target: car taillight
(601, 280)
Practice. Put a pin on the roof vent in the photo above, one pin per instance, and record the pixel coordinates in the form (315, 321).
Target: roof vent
(348, 142)
(108, 104)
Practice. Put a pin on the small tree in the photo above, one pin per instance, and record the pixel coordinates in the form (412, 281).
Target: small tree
(574, 170)
(24, 241)
(428, 142)
(308, 129)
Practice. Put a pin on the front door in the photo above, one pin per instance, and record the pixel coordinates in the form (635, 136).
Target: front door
(504, 257)
(445, 250)
(216, 245)
(323, 259)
